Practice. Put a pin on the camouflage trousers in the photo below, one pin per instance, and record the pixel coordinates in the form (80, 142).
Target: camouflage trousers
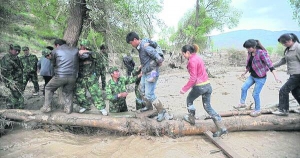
(16, 99)
(34, 79)
(139, 100)
(103, 77)
(91, 84)
(118, 106)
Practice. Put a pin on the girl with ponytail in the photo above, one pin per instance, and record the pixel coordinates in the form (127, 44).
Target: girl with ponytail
(200, 85)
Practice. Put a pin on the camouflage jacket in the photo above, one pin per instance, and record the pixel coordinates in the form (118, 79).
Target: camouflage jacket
(89, 64)
(11, 69)
(29, 62)
(113, 88)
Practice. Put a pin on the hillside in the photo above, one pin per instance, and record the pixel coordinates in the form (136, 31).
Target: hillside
(235, 39)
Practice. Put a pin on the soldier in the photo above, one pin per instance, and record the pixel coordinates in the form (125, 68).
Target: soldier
(104, 62)
(29, 62)
(88, 77)
(116, 90)
(139, 103)
(129, 64)
(12, 72)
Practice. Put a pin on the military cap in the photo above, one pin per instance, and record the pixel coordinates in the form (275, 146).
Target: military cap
(46, 52)
(16, 47)
(25, 48)
(112, 69)
(85, 43)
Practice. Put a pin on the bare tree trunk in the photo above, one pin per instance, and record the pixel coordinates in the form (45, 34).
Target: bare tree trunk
(75, 21)
(74, 28)
(151, 126)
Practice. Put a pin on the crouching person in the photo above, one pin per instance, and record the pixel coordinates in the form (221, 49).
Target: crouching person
(116, 90)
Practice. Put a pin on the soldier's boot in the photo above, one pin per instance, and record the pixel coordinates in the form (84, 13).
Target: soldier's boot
(161, 111)
(46, 108)
(148, 105)
(221, 129)
(68, 108)
(139, 104)
(190, 118)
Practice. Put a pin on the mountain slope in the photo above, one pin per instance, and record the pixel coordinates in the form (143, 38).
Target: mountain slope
(236, 39)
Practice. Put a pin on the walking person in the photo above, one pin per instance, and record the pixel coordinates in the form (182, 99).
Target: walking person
(65, 61)
(199, 82)
(258, 64)
(292, 60)
(29, 62)
(12, 72)
(45, 67)
(148, 88)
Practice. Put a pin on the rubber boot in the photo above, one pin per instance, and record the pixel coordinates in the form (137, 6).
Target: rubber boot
(148, 105)
(161, 111)
(46, 108)
(221, 129)
(139, 104)
(190, 118)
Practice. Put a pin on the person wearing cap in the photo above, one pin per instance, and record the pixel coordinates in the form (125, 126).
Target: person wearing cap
(29, 62)
(116, 90)
(104, 61)
(65, 61)
(12, 72)
(88, 77)
(45, 67)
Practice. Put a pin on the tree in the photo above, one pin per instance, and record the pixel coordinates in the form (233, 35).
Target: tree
(296, 10)
(208, 15)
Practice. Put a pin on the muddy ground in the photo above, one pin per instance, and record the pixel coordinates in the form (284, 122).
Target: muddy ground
(22, 142)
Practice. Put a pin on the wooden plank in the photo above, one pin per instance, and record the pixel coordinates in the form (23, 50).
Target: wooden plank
(220, 144)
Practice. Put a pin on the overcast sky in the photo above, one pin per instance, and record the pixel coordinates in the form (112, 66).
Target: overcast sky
(273, 15)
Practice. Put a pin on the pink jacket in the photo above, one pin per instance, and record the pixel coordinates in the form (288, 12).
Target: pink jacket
(197, 72)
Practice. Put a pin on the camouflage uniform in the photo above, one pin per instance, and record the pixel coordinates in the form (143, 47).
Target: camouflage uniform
(12, 72)
(114, 88)
(104, 65)
(139, 100)
(30, 69)
(88, 77)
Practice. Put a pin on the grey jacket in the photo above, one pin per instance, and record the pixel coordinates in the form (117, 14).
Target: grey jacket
(45, 66)
(146, 54)
(65, 61)
(292, 59)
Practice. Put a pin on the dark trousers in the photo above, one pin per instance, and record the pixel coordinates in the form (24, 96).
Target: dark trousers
(292, 85)
(205, 91)
(46, 79)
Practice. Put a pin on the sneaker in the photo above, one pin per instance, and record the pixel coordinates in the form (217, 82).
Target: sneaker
(255, 113)
(239, 106)
(280, 112)
(35, 93)
(189, 118)
(82, 110)
(104, 112)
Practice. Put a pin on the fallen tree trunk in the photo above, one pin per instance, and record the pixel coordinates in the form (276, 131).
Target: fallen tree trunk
(151, 126)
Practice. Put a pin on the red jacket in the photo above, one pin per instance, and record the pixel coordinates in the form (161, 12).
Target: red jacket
(197, 72)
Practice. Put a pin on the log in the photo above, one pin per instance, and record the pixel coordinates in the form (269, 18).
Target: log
(152, 127)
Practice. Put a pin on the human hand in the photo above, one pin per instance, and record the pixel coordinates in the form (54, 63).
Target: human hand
(277, 80)
(146, 44)
(140, 75)
(83, 51)
(122, 95)
(182, 92)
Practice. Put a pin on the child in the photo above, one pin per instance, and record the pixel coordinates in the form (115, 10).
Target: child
(153, 62)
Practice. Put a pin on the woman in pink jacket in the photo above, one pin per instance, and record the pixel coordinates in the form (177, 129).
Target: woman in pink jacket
(200, 86)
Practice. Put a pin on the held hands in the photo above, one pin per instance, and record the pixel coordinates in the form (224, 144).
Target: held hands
(122, 95)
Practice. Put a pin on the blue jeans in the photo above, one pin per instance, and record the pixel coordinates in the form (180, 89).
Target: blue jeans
(147, 88)
(205, 91)
(259, 83)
